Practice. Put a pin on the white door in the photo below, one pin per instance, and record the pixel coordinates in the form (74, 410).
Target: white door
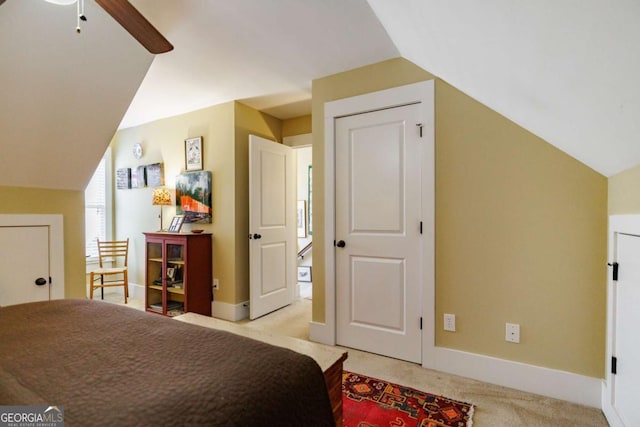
(24, 258)
(625, 390)
(272, 226)
(378, 214)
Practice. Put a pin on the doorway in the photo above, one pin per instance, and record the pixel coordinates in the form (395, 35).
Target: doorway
(304, 209)
(422, 95)
(378, 232)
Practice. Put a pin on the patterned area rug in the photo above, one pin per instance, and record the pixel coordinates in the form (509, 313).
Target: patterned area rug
(370, 402)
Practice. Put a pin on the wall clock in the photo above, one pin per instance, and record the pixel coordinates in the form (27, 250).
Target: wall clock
(137, 150)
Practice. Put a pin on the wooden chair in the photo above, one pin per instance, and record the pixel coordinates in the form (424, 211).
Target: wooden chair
(113, 254)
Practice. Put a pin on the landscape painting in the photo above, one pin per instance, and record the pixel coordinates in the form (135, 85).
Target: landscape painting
(193, 197)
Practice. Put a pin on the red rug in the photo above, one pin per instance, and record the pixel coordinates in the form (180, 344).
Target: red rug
(370, 402)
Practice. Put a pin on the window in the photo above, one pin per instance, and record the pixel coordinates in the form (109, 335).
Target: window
(96, 208)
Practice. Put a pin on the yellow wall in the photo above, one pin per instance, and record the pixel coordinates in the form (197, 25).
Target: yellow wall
(296, 126)
(70, 204)
(225, 129)
(520, 229)
(163, 141)
(624, 192)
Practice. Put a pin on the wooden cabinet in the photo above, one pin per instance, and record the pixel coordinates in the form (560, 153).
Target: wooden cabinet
(178, 273)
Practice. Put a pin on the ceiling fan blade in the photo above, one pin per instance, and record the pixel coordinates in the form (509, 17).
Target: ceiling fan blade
(1, 1)
(136, 24)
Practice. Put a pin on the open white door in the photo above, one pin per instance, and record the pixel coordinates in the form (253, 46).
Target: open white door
(272, 226)
(622, 385)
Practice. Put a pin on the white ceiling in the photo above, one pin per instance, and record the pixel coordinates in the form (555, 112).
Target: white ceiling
(263, 52)
(62, 94)
(565, 70)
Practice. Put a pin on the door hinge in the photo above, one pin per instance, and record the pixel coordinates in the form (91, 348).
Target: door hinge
(421, 323)
(614, 365)
(419, 125)
(420, 227)
(615, 271)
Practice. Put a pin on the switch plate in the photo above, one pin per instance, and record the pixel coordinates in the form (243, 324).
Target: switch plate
(216, 284)
(450, 322)
(512, 333)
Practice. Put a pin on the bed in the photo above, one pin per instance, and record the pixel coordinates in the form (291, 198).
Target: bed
(112, 365)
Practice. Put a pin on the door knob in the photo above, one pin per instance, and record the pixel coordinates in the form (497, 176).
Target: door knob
(257, 236)
(341, 244)
(41, 281)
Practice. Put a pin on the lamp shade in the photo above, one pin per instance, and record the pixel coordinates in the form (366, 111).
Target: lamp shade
(161, 197)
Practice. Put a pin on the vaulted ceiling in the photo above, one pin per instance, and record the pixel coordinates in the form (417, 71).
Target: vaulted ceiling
(563, 70)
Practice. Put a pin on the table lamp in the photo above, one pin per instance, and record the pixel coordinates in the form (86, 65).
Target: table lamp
(161, 197)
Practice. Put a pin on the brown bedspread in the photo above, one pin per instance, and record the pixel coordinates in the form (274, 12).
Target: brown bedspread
(112, 365)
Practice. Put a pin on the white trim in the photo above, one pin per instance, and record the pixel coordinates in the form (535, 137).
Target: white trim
(56, 244)
(318, 332)
(231, 312)
(629, 224)
(136, 291)
(533, 379)
(422, 93)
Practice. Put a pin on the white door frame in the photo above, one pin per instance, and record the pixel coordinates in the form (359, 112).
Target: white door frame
(56, 245)
(628, 224)
(422, 93)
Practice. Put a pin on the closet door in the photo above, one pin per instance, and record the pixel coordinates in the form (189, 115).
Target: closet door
(24, 264)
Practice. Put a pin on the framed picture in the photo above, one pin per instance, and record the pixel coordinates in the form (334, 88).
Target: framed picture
(193, 197)
(193, 154)
(176, 224)
(123, 178)
(155, 177)
(302, 218)
(139, 177)
(304, 273)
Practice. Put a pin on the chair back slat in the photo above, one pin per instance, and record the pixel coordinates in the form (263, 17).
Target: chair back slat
(113, 250)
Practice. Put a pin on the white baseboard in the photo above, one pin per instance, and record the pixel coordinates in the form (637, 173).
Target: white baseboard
(521, 376)
(533, 379)
(136, 291)
(609, 411)
(319, 332)
(231, 312)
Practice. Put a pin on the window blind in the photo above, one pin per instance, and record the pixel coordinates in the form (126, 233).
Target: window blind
(95, 202)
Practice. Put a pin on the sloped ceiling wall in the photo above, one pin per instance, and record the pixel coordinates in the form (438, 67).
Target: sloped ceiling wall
(566, 71)
(62, 94)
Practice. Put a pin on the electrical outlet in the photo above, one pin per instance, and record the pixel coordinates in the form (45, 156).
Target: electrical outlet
(216, 284)
(450, 322)
(512, 333)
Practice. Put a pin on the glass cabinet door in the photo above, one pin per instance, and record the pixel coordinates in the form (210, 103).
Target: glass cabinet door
(175, 278)
(154, 276)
